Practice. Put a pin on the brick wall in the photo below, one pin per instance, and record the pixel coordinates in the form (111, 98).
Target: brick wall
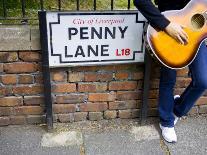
(79, 93)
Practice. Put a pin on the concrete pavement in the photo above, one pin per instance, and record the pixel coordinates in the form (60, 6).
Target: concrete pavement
(114, 137)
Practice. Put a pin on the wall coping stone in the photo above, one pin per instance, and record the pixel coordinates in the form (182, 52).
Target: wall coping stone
(19, 37)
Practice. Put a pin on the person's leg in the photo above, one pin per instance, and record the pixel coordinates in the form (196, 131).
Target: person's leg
(198, 70)
(166, 100)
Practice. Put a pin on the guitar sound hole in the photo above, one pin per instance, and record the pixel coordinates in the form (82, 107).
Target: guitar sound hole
(198, 21)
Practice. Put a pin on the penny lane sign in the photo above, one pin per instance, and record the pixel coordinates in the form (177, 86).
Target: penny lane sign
(88, 38)
(94, 38)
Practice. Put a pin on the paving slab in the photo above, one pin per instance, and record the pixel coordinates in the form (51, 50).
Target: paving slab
(26, 140)
(105, 137)
(192, 137)
(120, 143)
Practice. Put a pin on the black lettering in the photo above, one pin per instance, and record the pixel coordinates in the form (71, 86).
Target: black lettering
(79, 48)
(98, 34)
(66, 52)
(108, 31)
(123, 31)
(82, 32)
(90, 49)
(72, 31)
(104, 48)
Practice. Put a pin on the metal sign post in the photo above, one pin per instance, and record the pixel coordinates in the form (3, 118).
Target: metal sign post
(46, 69)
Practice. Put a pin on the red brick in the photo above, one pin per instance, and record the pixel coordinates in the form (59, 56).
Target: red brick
(6, 111)
(153, 112)
(39, 66)
(110, 114)
(92, 87)
(30, 56)
(122, 75)
(202, 101)
(154, 83)
(102, 96)
(55, 118)
(71, 98)
(193, 111)
(119, 67)
(153, 93)
(140, 84)
(64, 88)
(17, 120)
(202, 109)
(38, 78)
(182, 72)
(129, 95)
(33, 100)
(86, 68)
(5, 91)
(28, 110)
(108, 68)
(95, 116)
(153, 103)
(20, 67)
(28, 90)
(8, 56)
(108, 76)
(93, 107)
(182, 82)
(1, 67)
(91, 77)
(75, 76)
(63, 118)
(118, 105)
(179, 90)
(35, 119)
(137, 76)
(11, 101)
(155, 73)
(26, 79)
(64, 108)
(131, 113)
(124, 114)
(80, 116)
(2, 91)
(123, 85)
(4, 121)
(135, 113)
(9, 79)
(59, 76)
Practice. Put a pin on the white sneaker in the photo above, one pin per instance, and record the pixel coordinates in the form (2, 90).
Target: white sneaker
(168, 133)
(176, 117)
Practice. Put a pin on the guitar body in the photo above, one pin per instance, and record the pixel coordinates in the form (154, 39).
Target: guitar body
(166, 49)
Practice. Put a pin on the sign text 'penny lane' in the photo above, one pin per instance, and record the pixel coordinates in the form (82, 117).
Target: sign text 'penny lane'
(90, 39)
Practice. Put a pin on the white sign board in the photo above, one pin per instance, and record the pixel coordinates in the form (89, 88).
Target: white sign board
(94, 38)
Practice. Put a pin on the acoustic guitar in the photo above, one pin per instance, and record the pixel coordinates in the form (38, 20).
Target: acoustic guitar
(166, 49)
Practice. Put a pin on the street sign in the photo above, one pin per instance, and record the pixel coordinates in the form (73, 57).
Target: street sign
(94, 38)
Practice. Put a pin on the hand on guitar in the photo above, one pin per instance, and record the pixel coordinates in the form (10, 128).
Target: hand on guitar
(176, 31)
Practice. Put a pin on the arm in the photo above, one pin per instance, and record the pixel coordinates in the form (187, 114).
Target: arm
(157, 20)
(153, 15)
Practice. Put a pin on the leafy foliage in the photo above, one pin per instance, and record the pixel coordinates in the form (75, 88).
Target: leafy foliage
(13, 8)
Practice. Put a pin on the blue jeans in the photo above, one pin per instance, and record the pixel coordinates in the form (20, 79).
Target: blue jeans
(167, 106)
